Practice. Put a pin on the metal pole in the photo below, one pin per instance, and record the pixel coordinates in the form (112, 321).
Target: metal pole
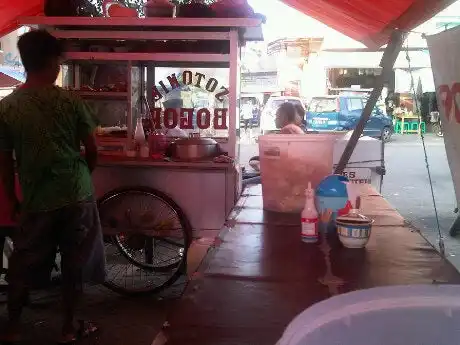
(388, 60)
(233, 117)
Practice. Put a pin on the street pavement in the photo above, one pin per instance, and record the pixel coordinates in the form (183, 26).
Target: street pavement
(406, 185)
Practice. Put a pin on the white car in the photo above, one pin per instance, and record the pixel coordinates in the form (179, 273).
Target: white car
(268, 116)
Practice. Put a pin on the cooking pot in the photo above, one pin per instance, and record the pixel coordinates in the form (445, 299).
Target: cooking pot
(189, 149)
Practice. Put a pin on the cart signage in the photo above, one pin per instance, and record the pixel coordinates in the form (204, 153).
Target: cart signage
(445, 62)
(189, 118)
(449, 96)
(358, 175)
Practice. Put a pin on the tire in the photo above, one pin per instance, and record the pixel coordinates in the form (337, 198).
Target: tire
(386, 134)
(177, 268)
(437, 130)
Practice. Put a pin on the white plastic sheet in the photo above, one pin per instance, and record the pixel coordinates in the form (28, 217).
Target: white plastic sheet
(445, 60)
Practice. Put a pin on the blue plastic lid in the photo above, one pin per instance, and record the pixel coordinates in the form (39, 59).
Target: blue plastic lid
(332, 186)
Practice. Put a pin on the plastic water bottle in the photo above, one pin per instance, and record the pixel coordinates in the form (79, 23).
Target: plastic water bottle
(310, 218)
(139, 135)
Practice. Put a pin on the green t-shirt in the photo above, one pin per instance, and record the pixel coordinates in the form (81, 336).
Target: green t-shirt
(44, 127)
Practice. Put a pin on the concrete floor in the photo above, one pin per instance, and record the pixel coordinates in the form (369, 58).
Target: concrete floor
(122, 320)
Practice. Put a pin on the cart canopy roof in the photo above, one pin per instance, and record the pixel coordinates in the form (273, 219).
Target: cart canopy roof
(368, 21)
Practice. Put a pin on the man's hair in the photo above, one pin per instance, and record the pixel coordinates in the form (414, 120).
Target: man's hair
(289, 110)
(37, 48)
(300, 110)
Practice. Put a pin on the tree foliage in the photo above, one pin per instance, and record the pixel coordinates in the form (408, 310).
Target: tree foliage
(139, 4)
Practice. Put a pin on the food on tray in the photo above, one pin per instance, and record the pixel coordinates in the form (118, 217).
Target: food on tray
(117, 132)
(223, 159)
(118, 87)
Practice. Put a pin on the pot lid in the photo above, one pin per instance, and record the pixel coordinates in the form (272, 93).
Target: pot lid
(196, 141)
(353, 218)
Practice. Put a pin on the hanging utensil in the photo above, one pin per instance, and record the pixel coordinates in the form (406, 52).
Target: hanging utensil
(143, 112)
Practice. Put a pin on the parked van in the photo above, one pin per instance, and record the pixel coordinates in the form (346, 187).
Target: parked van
(342, 113)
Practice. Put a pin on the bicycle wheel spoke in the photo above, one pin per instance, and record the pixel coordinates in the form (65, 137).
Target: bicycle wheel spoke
(141, 262)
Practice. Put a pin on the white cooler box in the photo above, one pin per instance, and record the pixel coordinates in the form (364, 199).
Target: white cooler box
(365, 162)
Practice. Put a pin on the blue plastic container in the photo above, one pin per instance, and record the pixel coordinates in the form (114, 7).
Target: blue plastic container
(331, 194)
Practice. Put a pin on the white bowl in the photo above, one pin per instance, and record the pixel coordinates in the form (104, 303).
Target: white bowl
(354, 235)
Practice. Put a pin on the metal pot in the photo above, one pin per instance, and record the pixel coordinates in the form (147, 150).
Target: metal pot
(190, 149)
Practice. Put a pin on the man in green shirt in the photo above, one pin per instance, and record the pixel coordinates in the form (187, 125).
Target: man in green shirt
(43, 126)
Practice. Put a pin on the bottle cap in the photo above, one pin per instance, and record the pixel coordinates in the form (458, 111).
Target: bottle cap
(309, 190)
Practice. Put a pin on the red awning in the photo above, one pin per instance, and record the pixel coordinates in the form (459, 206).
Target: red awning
(368, 21)
(11, 10)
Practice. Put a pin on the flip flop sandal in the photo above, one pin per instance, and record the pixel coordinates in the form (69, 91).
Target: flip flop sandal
(84, 330)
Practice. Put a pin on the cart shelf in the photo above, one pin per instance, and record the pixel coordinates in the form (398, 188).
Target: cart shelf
(153, 57)
(102, 95)
(249, 28)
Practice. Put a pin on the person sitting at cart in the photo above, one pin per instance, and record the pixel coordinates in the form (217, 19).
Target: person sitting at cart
(301, 117)
(288, 119)
(43, 126)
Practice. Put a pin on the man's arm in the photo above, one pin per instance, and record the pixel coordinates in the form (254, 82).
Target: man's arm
(86, 133)
(90, 151)
(7, 173)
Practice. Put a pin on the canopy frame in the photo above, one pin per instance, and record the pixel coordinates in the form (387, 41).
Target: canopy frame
(388, 60)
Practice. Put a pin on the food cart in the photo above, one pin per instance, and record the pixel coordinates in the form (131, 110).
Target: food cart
(151, 208)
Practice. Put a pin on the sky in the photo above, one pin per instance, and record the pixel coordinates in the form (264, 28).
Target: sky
(280, 18)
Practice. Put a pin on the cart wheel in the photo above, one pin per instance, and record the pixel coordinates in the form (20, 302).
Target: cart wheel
(147, 237)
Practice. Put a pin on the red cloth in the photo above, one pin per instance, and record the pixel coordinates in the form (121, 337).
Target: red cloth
(291, 129)
(5, 207)
(370, 21)
(12, 10)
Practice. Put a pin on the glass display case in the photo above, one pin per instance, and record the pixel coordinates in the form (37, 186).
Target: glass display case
(108, 89)
(201, 93)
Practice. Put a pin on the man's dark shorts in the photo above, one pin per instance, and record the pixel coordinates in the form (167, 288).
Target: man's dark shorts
(75, 230)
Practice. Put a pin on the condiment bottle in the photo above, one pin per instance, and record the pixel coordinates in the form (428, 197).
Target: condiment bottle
(139, 134)
(145, 150)
(310, 218)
